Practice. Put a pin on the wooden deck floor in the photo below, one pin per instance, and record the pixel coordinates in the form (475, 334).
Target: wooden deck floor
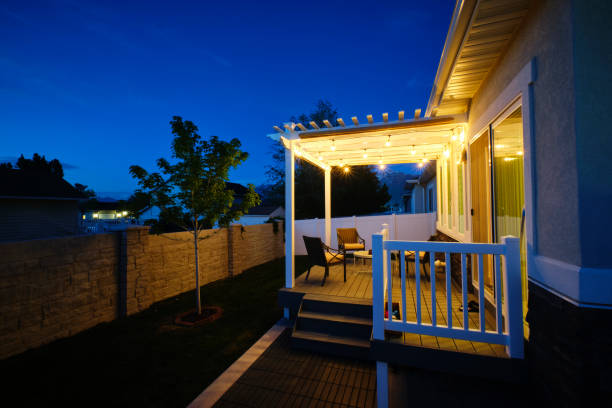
(359, 285)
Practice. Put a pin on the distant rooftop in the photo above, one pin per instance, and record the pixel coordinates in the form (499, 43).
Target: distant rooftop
(27, 184)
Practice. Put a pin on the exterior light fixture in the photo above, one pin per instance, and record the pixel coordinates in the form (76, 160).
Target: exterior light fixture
(388, 142)
(125, 213)
(95, 215)
(333, 145)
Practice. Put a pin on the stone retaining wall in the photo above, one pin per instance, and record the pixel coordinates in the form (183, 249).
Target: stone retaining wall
(55, 288)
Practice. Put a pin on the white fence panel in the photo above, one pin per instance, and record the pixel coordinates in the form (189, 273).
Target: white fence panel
(410, 227)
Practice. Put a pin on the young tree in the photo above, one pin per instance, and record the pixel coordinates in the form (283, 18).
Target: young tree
(192, 189)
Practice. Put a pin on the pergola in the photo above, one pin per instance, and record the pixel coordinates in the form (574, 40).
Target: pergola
(414, 140)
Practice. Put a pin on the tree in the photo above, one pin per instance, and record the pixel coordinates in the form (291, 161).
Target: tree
(87, 192)
(38, 164)
(355, 193)
(192, 191)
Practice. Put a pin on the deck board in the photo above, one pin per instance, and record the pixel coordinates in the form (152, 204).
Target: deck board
(359, 285)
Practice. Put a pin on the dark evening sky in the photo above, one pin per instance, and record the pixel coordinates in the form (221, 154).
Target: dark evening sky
(95, 84)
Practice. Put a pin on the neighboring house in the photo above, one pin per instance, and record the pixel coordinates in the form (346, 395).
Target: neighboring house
(420, 192)
(515, 124)
(98, 210)
(37, 205)
(261, 214)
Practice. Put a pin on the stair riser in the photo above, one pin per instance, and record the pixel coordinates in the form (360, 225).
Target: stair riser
(334, 349)
(359, 331)
(346, 309)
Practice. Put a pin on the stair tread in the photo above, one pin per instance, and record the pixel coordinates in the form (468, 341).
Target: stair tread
(337, 299)
(322, 337)
(335, 317)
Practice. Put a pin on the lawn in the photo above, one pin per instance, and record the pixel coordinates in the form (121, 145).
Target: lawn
(144, 359)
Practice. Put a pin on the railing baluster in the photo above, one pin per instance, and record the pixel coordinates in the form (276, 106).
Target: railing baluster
(498, 294)
(404, 281)
(481, 301)
(417, 275)
(466, 320)
(432, 278)
(449, 300)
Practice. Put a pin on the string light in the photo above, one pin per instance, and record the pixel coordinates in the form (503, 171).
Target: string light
(413, 152)
(520, 152)
(333, 145)
(381, 166)
(509, 158)
(454, 136)
(365, 153)
(346, 169)
(388, 142)
(421, 164)
(446, 153)
(462, 135)
(320, 157)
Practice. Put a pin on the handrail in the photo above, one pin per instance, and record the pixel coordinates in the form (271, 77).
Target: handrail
(507, 300)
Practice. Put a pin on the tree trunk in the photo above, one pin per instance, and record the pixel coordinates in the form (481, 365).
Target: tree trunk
(197, 271)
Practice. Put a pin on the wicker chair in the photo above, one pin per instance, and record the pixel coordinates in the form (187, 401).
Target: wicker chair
(321, 255)
(349, 240)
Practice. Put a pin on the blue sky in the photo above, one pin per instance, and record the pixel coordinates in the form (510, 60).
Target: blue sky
(95, 84)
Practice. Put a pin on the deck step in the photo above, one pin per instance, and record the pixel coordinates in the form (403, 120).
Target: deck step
(328, 344)
(335, 325)
(337, 305)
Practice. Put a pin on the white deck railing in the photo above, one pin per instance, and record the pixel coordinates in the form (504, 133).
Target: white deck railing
(507, 297)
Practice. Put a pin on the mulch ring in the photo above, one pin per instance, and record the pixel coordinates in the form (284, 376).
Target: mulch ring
(191, 318)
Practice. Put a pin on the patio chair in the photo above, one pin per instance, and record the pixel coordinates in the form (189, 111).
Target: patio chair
(320, 254)
(349, 240)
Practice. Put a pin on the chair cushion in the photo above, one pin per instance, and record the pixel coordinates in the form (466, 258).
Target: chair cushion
(331, 259)
(353, 247)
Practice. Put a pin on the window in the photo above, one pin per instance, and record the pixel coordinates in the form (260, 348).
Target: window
(461, 217)
(449, 195)
(509, 196)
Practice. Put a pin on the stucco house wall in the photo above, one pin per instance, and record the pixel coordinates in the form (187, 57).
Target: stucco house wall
(546, 35)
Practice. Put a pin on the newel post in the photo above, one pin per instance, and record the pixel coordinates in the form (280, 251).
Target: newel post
(513, 305)
(378, 290)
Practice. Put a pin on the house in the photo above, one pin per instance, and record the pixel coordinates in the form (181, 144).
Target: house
(103, 210)
(524, 183)
(36, 205)
(420, 192)
(261, 214)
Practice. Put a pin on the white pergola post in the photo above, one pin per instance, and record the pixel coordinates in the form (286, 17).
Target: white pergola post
(328, 206)
(289, 216)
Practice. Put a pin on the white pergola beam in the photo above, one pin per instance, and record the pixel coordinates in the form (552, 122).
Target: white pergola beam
(341, 122)
(385, 117)
(326, 123)
(302, 127)
(355, 121)
(370, 119)
(417, 113)
(400, 115)
(314, 124)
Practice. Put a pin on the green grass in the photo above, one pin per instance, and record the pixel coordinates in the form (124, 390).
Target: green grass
(144, 359)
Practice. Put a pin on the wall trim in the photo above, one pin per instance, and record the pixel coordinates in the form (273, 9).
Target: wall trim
(583, 287)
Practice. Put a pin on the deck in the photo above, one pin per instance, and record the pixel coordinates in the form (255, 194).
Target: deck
(359, 285)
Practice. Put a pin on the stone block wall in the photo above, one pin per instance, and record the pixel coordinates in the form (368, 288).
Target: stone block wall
(55, 288)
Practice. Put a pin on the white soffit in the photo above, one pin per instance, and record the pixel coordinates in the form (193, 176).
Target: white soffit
(491, 27)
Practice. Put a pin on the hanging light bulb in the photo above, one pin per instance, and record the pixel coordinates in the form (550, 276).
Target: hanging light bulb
(453, 136)
(421, 164)
(333, 145)
(446, 153)
(320, 157)
(413, 152)
(461, 135)
(346, 169)
(381, 166)
(365, 153)
(520, 153)
(388, 142)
